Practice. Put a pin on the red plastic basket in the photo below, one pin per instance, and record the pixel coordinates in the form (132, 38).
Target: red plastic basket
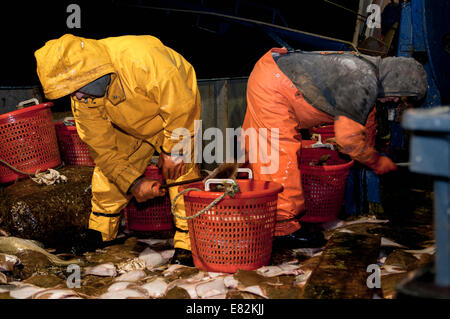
(152, 215)
(323, 186)
(237, 233)
(28, 141)
(325, 132)
(73, 150)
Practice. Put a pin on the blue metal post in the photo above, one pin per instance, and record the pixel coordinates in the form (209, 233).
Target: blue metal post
(412, 39)
(430, 154)
(442, 231)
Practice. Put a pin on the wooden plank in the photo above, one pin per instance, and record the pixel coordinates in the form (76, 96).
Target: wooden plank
(342, 270)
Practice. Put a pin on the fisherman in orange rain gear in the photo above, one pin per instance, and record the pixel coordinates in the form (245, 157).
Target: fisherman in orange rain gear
(299, 90)
(128, 94)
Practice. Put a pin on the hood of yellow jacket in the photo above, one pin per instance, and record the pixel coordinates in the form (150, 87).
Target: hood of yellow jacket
(66, 64)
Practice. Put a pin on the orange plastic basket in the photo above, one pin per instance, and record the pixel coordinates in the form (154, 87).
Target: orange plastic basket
(325, 132)
(152, 215)
(237, 233)
(28, 141)
(323, 186)
(73, 150)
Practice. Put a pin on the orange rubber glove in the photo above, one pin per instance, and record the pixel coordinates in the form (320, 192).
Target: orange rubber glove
(171, 167)
(146, 189)
(382, 165)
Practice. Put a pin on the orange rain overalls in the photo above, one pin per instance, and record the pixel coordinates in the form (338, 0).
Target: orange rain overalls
(273, 101)
(153, 91)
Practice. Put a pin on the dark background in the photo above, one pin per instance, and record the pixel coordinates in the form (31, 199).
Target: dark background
(215, 47)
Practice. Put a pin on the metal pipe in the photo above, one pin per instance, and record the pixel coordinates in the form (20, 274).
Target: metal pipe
(257, 22)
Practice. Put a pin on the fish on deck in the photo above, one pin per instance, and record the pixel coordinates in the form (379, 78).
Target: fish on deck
(8, 262)
(14, 245)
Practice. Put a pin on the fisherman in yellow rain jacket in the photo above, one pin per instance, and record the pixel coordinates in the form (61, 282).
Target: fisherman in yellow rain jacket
(128, 94)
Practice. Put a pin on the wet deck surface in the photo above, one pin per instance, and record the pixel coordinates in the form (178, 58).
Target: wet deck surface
(338, 270)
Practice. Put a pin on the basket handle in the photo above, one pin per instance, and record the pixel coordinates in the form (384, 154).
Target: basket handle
(218, 181)
(319, 144)
(246, 170)
(67, 121)
(23, 103)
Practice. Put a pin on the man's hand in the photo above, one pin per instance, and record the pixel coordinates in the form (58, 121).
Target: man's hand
(383, 165)
(146, 189)
(171, 167)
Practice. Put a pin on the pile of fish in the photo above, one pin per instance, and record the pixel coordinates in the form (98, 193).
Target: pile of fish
(124, 273)
(146, 276)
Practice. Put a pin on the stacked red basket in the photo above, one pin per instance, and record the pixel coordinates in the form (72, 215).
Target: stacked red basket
(152, 215)
(28, 141)
(323, 186)
(73, 150)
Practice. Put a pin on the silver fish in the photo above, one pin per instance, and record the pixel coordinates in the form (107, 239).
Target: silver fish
(25, 291)
(230, 282)
(124, 294)
(53, 293)
(156, 288)
(134, 275)
(104, 270)
(7, 262)
(154, 259)
(121, 285)
(14, 245)
(282, 269)
(301, 280)
(172, 269)
(211, 288)
(256, 290)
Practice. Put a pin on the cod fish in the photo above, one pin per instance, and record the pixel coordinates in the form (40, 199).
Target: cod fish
(14, 245)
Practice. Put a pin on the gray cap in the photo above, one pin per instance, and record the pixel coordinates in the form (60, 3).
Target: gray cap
(97, 87)
(401, 76)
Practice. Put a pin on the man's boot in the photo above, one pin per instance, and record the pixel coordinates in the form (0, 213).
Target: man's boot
(182, 257)
(87, 240)
(305, 237)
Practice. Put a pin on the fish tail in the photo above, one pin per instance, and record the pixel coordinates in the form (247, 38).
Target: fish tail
(58, 261)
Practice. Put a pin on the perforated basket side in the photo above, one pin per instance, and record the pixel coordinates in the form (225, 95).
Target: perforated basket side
(323, 186)
(73, 150)
(152, 215)
(235, 234)
(28, 142)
